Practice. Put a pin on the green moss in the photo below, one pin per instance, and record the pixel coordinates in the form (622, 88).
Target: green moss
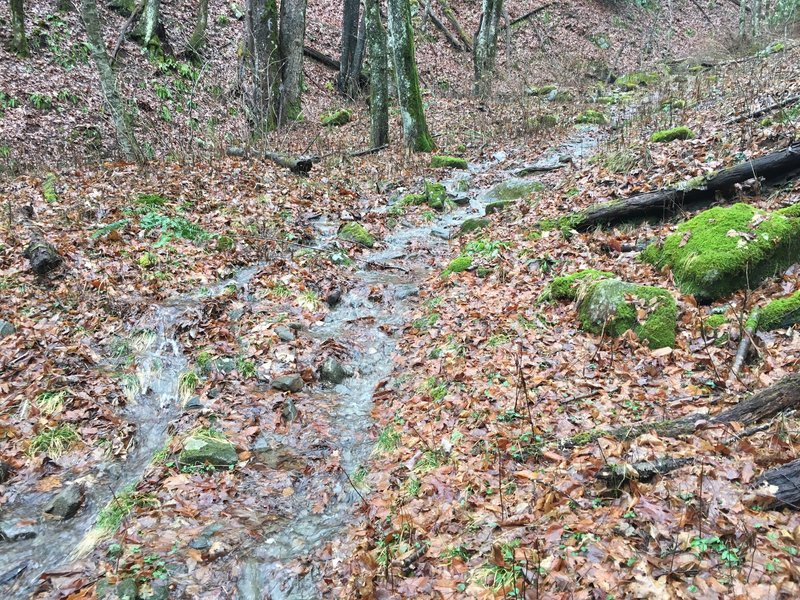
(631, 81)
(673, 104)
(49, 188)
(356, 232)
(511, 189)
(668, 135)
(496, 206)
(542, 90)
(566, 287)
(781, 313)
(448, 162)
(584, 438)
(591, 117)
(337, 118)
(725, 249)
(436, 195)
(470, 225)
(458, 265)
(715, 321)
(541, 122)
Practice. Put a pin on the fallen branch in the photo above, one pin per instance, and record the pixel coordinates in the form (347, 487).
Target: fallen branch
(449, 36)
(126, 28)
(300, 165)
(41, 254)
(767, 109)
(744, 343)
(451, 17)
(330, 62)
(617, 475)
(529, 14)
(787, 479)
(661, 204)
(368, 151)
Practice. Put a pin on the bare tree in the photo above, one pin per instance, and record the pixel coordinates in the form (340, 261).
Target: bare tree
(198, 39)
(19, 43)
(401, 40)
(352, 48)
(378, 74)
(486, 44)
(108, 81)
(292, 35)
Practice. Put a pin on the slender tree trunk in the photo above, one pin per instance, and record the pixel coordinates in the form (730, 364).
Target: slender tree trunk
(292, 36)
(148, 30)
(378, 75)
(198, 39)
(742, 18)
(262, 62)
(347, 82)
(108, 81)
(401, 40)
(19, 43)
(486, 44)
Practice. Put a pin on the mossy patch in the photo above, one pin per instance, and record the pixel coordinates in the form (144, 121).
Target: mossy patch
(566, 287)
(337, 118)
(541, 122)
(511, 189)
(458, 265)
(471, 225)
(435, 195)
(542, 90)
(669, 135)
(725, 249)
(631, 81)
(448, 162)
(200, 449)
(591, 117)
(715, 321)
(497, 206)
(780, 313)
(356, 232)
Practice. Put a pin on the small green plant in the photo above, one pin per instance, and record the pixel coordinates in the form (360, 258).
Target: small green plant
(106, 229)
(280, 290)
(388, 440)
(187, 384)
(50, 402)
(458, 265)
(162, 91)
(426, 322)
(308, 300)
(166, 114)
(451, 553)
(49, 188)
(502, 577)
(54, 441)
(41, 101)
(204, 359)
(435, 388)
(498, 339)
(486, 247)
(172, 227)
(121, 505)
(728, 554)
(246, 368)
(430, 460)
(413, 486)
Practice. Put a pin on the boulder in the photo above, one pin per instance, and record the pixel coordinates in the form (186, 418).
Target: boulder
(356, 232)
(470, 225)
(66, 503)
(725, 249)
(202, 450)
(511, 189)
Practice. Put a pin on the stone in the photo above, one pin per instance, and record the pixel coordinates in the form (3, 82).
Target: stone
(440, 232)
(194, 403)
(201, 450)
(203, 541)
(154, 590)
(66, 503)
(285, 334)
(332, 371)
(126, 589)
(495, 207)
(6, 329)
(288, 383)
(333, 298)
(511, 189)
(14, 531)
(470, 225)
(278, 456)
(405, 291)
(5, 471)
(289, 410)
(356, 232)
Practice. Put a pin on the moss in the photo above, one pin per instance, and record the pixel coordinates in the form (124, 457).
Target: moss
(356, 232)
(49, 188)
(591, 117)
(497, 206)
(511, 189)
(563, 96)
(470, 225)
(147, 260)
(715, 321)
(458, 265)
(584, 438)
(668, 135)
(566, 287)
(337, 118)
(541, 122)
(725, 249)
(448, 162)
(673, 104)
(542, 90)
(631, 81)
(436, 195)
(781, 313)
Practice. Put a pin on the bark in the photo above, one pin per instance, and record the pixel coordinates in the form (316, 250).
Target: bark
(108, 81)
(450, 15)
(378, 75)
(347, 83)
(19, 42)
(296, 164)
(485, 54)
(291, 37)
(662, 204)
(787, 479)
(149, 31)
(617, 475)
(41, 254)
(198, 39)
(261, 62)
(401, 40)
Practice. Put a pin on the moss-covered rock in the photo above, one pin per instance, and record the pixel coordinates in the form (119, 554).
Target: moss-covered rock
(591, 117)
(725, 249)
(470, 225)
(631, 81)
(448, 162)
(511, 189)
(337, 118)
(202, 449)
(542, 90)
(669, 135)
(458, 265)
(356, 232)
(495, 207)
(567, 287)
(436, 195)
(780, 313)
(541, 122)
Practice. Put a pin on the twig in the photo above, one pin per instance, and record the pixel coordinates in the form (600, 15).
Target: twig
(355, 489)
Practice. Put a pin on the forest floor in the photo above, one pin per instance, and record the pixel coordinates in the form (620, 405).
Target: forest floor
(432, 465)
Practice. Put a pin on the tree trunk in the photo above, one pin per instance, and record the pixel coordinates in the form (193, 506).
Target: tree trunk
(198, 39)
(149, 30)
(347, 83)
(378, 75)
(19, 43)
(261, 60)
(401, 40)
(662, 204)
(486, 45)
(292, 35)
(108, 81)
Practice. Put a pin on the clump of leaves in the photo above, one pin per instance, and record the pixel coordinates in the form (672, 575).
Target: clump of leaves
(54, 441)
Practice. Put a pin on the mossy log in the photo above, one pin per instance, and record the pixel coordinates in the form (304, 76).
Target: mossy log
(41, 254)
(662, 204)
(765, 404)
(787, 479)
(300, 165)
(615, 475)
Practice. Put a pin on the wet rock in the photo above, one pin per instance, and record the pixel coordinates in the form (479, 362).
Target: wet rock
(223, 365)
(5, 471)
(470, 225)
(11, 531)
(194, 403)
(126, 589)
(278, 456)
(495, 207)
(285, 334)
(288, 383)
(406, 291)
(66, 503)
(203, 541)
(460, 199)
(288, 410)
(6, 329)
(440, 232)
(332, 371)
(334, 297)
(154, 590)
(511, 189)
(201, 450)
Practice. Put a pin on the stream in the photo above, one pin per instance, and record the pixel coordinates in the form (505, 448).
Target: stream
(362, 323)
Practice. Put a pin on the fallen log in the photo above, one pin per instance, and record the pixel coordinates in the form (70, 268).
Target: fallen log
(451, 17)
(765, 404)
(662, 204)
(529, 14)
(300, 165)
(41, 254)
(449, 36)
(787, 479)
(762, 111)
(616, 475)
(331, 63)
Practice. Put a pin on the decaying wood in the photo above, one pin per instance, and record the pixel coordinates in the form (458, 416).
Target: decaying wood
(466, 40)
(787, 479)
(763, 111)
(662, 204)
(330, 62)
(449, 36)
(744, 343)
(619, 474)
(529, 14)
(41, 254)
(296, 164)
(765, 404)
